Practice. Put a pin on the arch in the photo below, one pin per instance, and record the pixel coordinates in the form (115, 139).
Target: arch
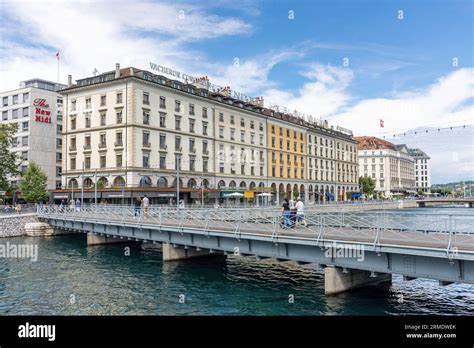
(281, 188)
(102, 182)
(302, 188)
(243, 184)
(180, 182)
(88, 183)
(191, 183)
(288, 190)
(232, 184)
(221, 184)
(274, 187)
(119, 182)
(252, 185)
(261, 184)
(310, 188)
(162, 182)
(145, 181)
(72, 183)
(205, 183)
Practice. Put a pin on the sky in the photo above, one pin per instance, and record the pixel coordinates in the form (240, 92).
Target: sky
(410, 63)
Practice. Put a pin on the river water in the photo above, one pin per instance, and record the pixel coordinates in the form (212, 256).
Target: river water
(70, 279)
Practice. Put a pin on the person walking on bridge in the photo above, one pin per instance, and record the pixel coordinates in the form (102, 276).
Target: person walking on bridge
(137, 205)
(300, 212)
(146, 204)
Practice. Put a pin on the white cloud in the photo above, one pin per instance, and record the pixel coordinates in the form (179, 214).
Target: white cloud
(97, 34)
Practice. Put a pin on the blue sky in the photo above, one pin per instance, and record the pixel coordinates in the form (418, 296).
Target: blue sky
(400, 70)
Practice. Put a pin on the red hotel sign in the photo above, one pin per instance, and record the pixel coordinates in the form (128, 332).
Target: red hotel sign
(41, 114)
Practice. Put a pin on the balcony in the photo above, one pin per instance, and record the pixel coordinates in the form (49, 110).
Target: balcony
(163, 146)
(178, 149)
(72, 148)
(192, 150)
(87, 146)
(146, 144)
(118, 144)
(205, 153)
(102, 145)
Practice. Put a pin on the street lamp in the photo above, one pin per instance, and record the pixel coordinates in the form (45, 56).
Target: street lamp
(178, 160)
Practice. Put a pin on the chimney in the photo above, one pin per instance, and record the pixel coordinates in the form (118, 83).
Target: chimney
(69, 80)
(117, 70)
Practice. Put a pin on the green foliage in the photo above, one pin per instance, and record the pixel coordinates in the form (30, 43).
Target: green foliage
(296, 194)
(367, 184)
(8, 159)
(34, 184)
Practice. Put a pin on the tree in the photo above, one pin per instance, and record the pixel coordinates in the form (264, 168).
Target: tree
(367, 184)
(296, 194)
(34, 184)
(8, 159)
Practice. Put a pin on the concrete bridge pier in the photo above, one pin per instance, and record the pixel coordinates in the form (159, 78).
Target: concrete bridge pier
(179, 252)
(95, 239)
(337, 280)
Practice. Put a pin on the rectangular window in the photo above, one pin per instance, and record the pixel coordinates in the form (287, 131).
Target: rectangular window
(191, 125)
(88, 103)
(25, 126)
(146, 98)
(232, 121)
(24, 141)
(118, 160)
(204, 148)
(192, 164)
(24, 155)
(221, 117)
(103, 100)
(204, 128)
(146, 160)
(15, 113)
(87, 162)
(26, 97)
(4, 115)
(192, 147)
(103, 141)
(59, 156)
(146, 117)
(177, 123)
(162, 162)
(232, 134)
(242, 136)
(15, 99)
(88, 122)
(5, 101)
(221, 132)
(163, 102)
(26, 112)
(73, 105)
(102, 118)
(191, 109)
(146, 138)
(162, 120)
(252, 138)
(252, 125)
(242, 122)
(119, 98)
(177, 106)
(163, 141)
(118, 139)
(119, 117)
(177, 144)
(204, 112)
(221, 168)
(73, 163)
(205, 166)
(103, 161)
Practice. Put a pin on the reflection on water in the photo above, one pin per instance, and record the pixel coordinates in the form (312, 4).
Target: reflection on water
(71, 279)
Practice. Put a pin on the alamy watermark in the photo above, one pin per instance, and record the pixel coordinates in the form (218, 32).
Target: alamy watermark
(19, 251)
(339, 250)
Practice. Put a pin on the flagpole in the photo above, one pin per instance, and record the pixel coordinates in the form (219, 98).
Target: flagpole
(57, 56)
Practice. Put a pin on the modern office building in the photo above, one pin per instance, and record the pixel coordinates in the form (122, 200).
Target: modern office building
(390, 165)
(422, 170)
(128, 129)
(36, 109)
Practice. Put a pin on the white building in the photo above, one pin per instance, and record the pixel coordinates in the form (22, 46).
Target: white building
(391, 166)
(36, 109)
(422, 170)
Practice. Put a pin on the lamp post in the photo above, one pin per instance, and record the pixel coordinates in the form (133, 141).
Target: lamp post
(82, 185)
(178, 160)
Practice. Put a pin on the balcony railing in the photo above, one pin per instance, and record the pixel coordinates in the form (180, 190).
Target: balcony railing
(87, 147)
(102, 145)
(146, 144)
(118, 144)
(72, 148)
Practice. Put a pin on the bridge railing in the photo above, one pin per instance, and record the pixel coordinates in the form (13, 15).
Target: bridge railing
(376, 228)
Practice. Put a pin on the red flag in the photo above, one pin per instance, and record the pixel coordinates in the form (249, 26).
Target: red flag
(57, 55)
(381, 123)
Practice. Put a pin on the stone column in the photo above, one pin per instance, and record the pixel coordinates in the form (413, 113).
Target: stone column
(336, 281)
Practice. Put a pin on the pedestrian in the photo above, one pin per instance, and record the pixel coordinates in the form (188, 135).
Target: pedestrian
(78, 205)
(18, 208)
(146, 204)
(71, 204)
(286, 213)
(300, 212)
(61, 206)
(137, 204)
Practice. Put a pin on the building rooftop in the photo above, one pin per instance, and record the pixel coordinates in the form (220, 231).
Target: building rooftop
(417, 153)
(42, 84)
(221, 96)
(373, 143)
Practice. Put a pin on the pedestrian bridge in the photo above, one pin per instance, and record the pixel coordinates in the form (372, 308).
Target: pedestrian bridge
(467, 202)
(354, 249)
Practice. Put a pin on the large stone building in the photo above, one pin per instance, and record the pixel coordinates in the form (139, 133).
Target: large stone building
(422, 170)
(391, 166)
(127, 129)
(36, 109)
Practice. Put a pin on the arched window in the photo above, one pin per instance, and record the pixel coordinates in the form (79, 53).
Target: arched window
(261, 184)
(205, 183)
(102, 182)
(274, 187)
(243, 184)
(192, 183)
(180, 182)
(145, 181)
(221, 184)
(88, 183)
(162, 182)
(119, 182)
(72, 183)
(232, 184)
(281, 188)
